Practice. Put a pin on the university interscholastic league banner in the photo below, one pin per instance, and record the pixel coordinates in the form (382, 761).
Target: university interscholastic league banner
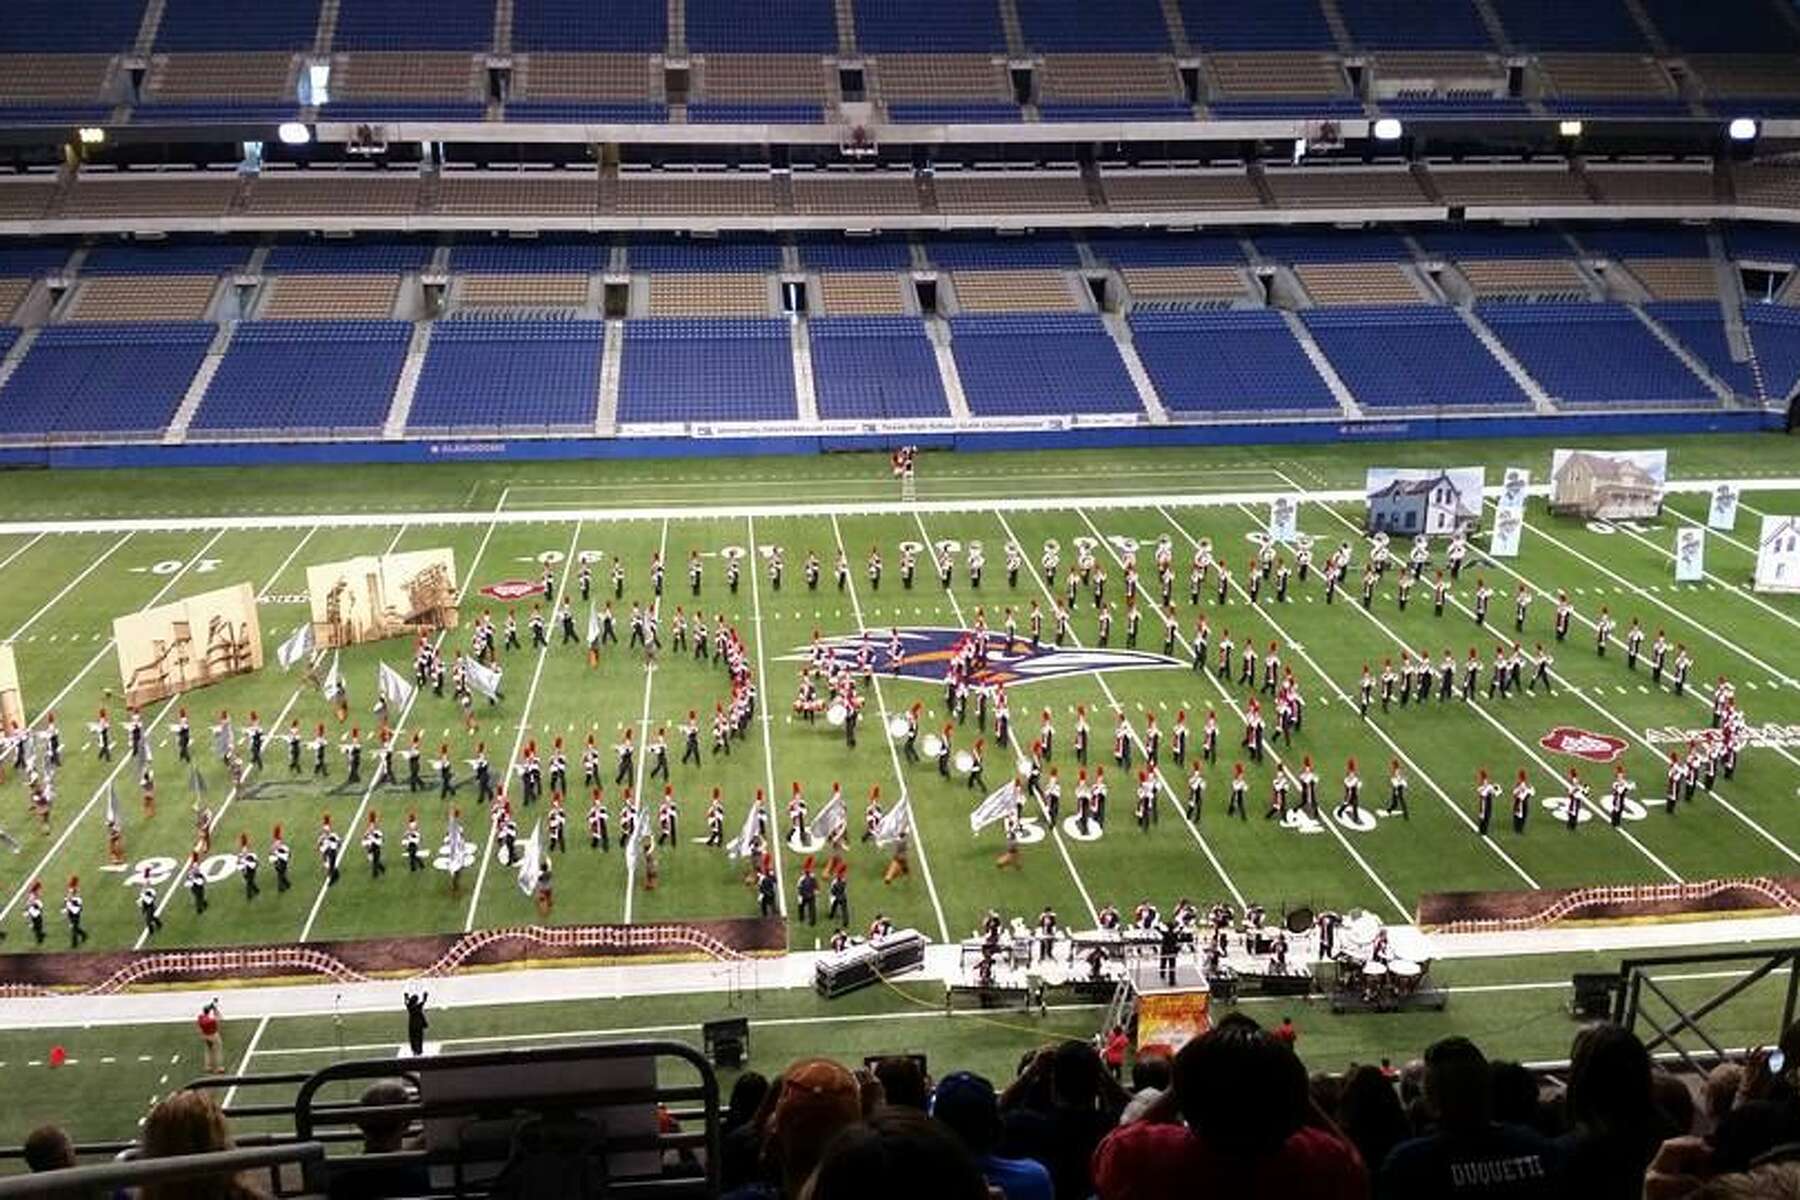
(1172, 1018)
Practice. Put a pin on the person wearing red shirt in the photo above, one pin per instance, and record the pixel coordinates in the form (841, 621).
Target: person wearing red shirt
(1237, 1122)
(1114, 1054)
(1285, 1032)
(208, 1023)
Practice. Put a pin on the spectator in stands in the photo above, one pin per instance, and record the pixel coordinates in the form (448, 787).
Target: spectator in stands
(1368, 1111)
(1720, 1091)
(1114, 1052)
(813, 1100)
(969, 1107)
(1615, 1124)
(903, 1081)
(1237, 1122)
(1058, 1109)
(1674, 1101)
(1515, 1093)
(47, 1148)
(1285, 1032)
(1469, 1153)
(897, 1153)
(382, 1134)
(187, 1123)
(739, 1140)
(1151, 1076)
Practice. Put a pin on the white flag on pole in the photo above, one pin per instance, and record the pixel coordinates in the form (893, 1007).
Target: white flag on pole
(896, 824)
(1000, 803)
(395, 689)
(634, 845)
(740, 845)
(482, 678)
(455, 845)
(112, 803)
(528, 867)
(298, 645)
(829, 816)
(333, 687)
(593, 625)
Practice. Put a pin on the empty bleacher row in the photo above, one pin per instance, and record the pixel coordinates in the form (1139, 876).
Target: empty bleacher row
(364, 198)
(312, 336)
(637, 61)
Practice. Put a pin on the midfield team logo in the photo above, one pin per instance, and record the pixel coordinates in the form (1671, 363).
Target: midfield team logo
(508, 590)
(925, 652)
(1595, 747)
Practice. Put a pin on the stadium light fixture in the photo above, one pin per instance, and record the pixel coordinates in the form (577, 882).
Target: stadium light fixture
(1742, 129)
(1570, 129)
(293, 133)
(92, 135)
(1387, 129)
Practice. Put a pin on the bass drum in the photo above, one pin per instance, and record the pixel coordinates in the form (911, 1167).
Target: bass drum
(1299, 920)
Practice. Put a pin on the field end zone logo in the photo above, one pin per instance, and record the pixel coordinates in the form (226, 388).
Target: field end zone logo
(925, 652)
(508, 590)
(1595, 747)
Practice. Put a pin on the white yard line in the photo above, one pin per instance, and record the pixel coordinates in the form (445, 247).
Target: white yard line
(640, 758)
(106, 784)
(68, 587)
(918, 834)
(262, 1027)
(1231, 703)
(469, 579)
(1167, 793)
(34, 540)
(537, 673)
(1055, 834)
(609, 515)
(752, 568)
(1350, 705)
(295, 553)
(1556, 777)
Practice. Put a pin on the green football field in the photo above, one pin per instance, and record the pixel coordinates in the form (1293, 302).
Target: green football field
(61, 585)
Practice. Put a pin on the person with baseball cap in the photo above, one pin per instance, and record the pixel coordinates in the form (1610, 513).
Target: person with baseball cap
(814, 1100)
(968, 1105)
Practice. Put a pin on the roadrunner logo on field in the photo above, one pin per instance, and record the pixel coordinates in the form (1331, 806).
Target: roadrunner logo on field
(926, 652)
(1595, 747)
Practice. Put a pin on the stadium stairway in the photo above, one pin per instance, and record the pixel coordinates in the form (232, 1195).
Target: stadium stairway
(612, 354)
(1333, 381)
(806, 396)
(17, 353)
(938, 330)
(1688, 359)
(393, 428)
(1540, 399)
(1134, 367)
(176, 433)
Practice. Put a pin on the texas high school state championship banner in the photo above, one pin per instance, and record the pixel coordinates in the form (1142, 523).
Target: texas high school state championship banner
(1172, 1018)
(373, 597)
(188, 644)
(1778, 555)
(1611, 484)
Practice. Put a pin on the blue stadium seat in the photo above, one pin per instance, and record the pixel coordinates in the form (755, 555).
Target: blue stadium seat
(1040, 365)
(599, 112)
(1764, 243)
(1589, 355)
(1094, 26)
(167, 258)
(1266, 25)
(769, 26)
(953, 113)
(414, 25)
(1451, 108)
(707, 369)
(483, 373)
(231, 25)
(995, 253)
(1724, 26)
(1643, 241)
(70, 26)
(1591, 106)
(1131, 250)
(929, 26)
(875, 368)
(403, 110)
(1775, 333)
(1411, 358)
(213, 111)
(838, 253)
(1342, 246)
(103, 379)
(54, 114)
(590, 25)
(1598, 25)
(32, 258)
(1410, 25)
(738, 112)
(1324, 106)
(1204, 363)
(378, 255)
(306, 375)
(1493, 241)
(1700, 326)
(1122, 110)
(574, 254)
(704, 254)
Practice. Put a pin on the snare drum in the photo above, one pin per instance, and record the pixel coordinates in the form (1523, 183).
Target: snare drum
(896, 727)
(836, 713)
(932, 744)
(965, 761)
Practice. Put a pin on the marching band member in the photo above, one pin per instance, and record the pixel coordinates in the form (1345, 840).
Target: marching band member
(1577, 800)
(279, 856)
(1240, 787)
(1485, 791)
(598, 838)
(411, 844)
(329, 844)
(1397, 791)
(1352, 801)
(372, 842)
